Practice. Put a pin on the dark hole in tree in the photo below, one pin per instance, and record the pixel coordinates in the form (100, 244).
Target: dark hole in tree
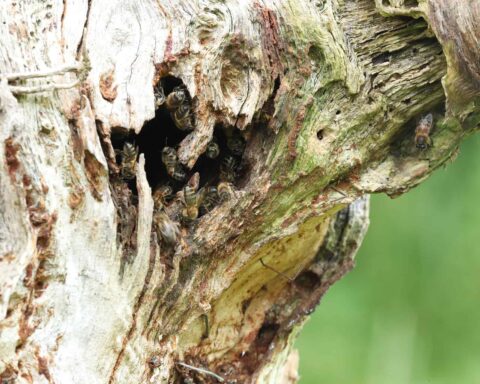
(381, 58)
(307, 280)
(158, 133)
(338, 112)
(152, 139)
(265, 336)
(320, 134)
(209, 169)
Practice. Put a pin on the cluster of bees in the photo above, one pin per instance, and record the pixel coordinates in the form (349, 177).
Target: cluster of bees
(171, 209)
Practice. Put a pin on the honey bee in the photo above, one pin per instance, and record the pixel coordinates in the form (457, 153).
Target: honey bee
(129, 161)
(162, 195)
(236, 143)
(210, 198)
(225, 191)
(166, 228)
(182, 117)
(228, 169)
(170, 160)
(191, 202)
(422, 132)
(175, 98)
(179, 173)
(213, 150)
(159, 95)
(190, 199)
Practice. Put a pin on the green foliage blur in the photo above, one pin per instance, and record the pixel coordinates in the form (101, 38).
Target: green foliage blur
(409, 313)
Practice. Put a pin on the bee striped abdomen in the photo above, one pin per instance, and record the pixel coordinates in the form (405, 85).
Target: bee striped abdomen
(182, 117)
(129, 161)
(210, 200)
(175, 98)
(225, 191)
(213, 150)
(422, 132)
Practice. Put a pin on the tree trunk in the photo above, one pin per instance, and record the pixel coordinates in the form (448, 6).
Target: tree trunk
(326, 96)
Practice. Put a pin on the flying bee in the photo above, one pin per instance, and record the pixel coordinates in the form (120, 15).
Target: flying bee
(129, 161)
(228, 169)
(174, 99)
(173, 167)
(422, 132)
(225, 191)
(236, 143)
(162, 195)
(213, 150)
(167, 230)
(210, 198)
(159, 95)
(182, 117)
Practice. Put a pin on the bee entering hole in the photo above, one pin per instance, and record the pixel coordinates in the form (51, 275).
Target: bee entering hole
(320, 134)
(159, 138)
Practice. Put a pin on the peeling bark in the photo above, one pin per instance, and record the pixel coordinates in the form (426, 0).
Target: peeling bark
(313, 106)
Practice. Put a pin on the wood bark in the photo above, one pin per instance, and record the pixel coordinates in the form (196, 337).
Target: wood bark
(326, 95)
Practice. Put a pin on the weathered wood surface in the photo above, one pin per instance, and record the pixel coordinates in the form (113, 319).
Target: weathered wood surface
(326, 93)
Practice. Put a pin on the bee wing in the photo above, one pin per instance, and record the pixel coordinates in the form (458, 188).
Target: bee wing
(429, 119)
(201, 194)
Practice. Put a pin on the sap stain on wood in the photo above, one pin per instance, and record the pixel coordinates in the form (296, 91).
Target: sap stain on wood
(11, 150)
(272, 44)
(293, 135)
(107, 87)
(95, 173)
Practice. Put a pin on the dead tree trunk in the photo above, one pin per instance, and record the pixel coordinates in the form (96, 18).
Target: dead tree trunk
(313, 105)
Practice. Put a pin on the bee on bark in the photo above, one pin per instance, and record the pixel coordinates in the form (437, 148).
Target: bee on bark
(210, 199)
(173, 167)
(162, 196)
(213, 150)
(236, 143)
(129, 161)
(182, 117)
(191, 199)
(159, 95)
(190, 202)
(174, 99)
(166, 228)
(228, 169)
(422, 132)
(225, 191)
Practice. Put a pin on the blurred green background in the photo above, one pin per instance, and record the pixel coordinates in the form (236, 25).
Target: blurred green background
(409, 313)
